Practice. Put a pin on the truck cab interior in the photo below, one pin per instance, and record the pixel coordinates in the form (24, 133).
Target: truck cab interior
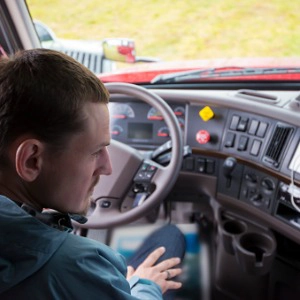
(220, 159)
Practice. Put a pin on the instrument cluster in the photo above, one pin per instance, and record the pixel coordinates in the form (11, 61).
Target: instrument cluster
(140, 125)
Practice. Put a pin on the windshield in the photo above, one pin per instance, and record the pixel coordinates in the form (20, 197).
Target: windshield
(175, 34)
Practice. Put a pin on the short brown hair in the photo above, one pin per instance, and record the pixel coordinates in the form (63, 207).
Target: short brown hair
(42, 93)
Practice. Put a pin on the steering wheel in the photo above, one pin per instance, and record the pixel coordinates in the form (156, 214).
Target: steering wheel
(137, 184)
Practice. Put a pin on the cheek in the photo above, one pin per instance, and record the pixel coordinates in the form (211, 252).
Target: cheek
(75, 181)
(67, 184)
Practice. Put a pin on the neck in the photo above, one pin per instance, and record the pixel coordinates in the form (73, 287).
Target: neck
(19, 194)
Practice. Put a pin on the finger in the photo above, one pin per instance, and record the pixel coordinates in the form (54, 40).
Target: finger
(173, 285)
(153, 257)
(172, 273)
(130, 271)
(168, 264)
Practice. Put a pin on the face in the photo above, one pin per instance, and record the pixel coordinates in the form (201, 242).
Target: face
(70, 176)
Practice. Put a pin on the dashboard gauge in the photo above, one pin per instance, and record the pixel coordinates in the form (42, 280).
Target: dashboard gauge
(121, 111)
(181, 122)
(163, 132)
(179, 111)
(154, 114)
(116, 130)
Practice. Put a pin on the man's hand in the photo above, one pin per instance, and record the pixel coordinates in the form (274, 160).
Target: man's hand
(160, 273)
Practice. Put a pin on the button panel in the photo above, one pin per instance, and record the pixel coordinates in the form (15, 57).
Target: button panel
(258, 189)
(245, 133)
(200, 164)
(145, 172)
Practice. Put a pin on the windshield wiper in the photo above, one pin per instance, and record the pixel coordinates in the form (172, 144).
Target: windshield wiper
(220, 72)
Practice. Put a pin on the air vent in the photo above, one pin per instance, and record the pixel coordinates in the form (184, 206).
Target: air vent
(277, 145)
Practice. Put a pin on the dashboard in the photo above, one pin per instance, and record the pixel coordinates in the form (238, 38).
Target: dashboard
(246, 142)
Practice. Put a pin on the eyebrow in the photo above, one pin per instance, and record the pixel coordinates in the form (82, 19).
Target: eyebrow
(104, 144)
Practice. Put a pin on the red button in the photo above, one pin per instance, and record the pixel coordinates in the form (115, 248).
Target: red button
(202, 137)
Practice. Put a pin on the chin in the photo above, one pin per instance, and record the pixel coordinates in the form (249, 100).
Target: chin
(84, 211)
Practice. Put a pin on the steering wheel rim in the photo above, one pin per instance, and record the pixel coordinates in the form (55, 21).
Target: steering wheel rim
(104, 216)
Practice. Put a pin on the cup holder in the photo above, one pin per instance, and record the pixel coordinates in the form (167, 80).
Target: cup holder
(255, 252)
(230, 229)
(253, 247)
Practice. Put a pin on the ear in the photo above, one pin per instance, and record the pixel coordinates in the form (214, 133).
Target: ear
(28, 159)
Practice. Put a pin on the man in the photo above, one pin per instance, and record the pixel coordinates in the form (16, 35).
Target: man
(54, 125)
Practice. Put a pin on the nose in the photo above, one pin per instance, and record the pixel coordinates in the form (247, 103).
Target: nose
(107, 167)
(103, 166)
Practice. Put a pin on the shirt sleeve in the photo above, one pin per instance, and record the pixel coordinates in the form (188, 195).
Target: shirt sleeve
(91, 270)
(144, 289)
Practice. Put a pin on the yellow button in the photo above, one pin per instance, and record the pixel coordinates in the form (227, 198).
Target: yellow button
(206, 113)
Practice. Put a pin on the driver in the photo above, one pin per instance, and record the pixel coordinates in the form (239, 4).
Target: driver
(54, 125)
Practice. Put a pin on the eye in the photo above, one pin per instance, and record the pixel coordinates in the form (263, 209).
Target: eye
(99, 152)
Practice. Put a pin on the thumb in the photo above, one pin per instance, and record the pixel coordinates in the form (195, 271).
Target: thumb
(130, 271)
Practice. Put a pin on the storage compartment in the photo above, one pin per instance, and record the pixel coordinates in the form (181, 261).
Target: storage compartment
(288, 214)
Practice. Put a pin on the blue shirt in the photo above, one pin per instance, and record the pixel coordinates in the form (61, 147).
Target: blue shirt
(41, 262)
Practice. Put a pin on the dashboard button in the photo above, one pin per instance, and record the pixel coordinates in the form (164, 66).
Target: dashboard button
(141, 175)
(144, 167)
(188, 163)
(262, 129)
(210, 166)
(253, 127)
(242, 126)
(243, 142)
(206, 113)
(255, 147)
(229, 140)
(149, 175)
(234, 122)
(267, 202)
(151, 169)
(202, 136)
(201, 165)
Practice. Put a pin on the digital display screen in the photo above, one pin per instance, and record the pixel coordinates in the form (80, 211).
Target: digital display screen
(141, 131)
(295, 162)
